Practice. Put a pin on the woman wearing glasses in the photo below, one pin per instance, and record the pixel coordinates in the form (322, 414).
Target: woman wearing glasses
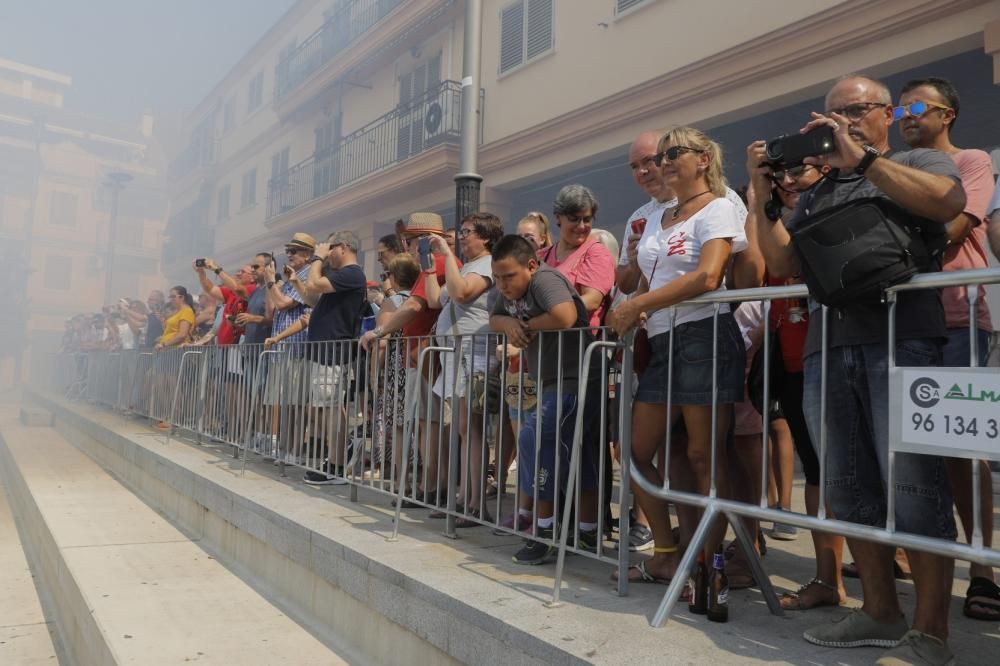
(584, 261)
(462, 300)
(683, 253)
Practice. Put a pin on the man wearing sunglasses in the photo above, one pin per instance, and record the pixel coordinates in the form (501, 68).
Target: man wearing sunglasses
(927, 112)
(926, 183)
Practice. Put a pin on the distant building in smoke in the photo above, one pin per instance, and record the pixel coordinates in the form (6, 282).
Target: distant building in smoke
(55, 210)
(345, 114)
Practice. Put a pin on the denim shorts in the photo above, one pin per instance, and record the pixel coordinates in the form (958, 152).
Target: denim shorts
(858, 440)
(557, 432)
(692, 371)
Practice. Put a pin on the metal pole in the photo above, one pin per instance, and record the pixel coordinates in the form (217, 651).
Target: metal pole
(467, 179)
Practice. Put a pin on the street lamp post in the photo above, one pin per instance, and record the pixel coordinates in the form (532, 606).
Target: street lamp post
(467, 179)
(116, 180)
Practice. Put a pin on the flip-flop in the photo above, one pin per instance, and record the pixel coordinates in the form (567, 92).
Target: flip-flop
(645, 576)
(982, 601)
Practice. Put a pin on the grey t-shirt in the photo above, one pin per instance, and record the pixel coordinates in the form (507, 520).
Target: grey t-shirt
(255, 334)
(471, 317)
(919, 314)
(547, 289)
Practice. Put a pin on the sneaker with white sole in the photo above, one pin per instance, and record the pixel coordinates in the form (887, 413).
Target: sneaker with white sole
(857, 629)
(918, 649)
(640, 538)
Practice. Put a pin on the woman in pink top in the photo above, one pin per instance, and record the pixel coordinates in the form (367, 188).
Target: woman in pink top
(586, 263)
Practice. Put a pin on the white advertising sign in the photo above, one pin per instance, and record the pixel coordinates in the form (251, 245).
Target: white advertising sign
(945, 411)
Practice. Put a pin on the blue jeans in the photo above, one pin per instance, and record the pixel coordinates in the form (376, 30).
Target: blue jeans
(557, 431)
(858, 440)
(956, 352)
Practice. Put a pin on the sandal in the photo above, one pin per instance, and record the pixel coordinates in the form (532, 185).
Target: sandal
(475, 518)
(982, 601)
(793, 601)
(644, 576)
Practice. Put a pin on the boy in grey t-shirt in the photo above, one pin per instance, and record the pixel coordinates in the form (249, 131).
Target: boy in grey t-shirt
(536, 306)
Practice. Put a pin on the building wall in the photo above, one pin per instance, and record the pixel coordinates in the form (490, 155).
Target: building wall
(573, 107)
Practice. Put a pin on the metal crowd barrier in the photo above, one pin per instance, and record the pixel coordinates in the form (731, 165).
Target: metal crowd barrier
(713, 506)
(304, 404)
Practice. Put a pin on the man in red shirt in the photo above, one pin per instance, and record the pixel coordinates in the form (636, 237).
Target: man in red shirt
(415, 318)
(233, 292)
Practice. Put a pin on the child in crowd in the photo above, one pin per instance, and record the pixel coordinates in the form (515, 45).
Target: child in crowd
(536, 303)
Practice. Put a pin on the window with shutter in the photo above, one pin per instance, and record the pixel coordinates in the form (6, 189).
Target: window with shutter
(622, 6)
(539, 29)
(526, 32)
(511, 36)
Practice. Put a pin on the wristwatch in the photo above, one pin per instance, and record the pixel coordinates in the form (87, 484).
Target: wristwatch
(377, 331)
(871, 154)
(315, 258)
(270, 285)
(217, 270)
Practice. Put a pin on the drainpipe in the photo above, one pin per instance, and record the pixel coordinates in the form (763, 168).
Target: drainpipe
(467, 179)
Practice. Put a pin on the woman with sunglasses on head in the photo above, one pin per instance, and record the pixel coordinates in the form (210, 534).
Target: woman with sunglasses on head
(683, 253)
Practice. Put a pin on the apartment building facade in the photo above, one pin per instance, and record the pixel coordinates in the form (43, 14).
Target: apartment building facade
(56, 243)
(346, 113)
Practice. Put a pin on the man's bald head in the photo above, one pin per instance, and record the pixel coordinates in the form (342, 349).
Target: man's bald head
(868, 102)
(646, 174)
(859, 84)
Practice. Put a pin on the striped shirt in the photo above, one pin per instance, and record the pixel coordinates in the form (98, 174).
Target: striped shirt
(285, 318)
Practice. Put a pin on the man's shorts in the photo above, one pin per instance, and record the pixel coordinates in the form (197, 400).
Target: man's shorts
(416, 386)
(285, 382)
(325, 384)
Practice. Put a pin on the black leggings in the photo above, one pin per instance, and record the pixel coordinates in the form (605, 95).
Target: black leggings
(791, 406)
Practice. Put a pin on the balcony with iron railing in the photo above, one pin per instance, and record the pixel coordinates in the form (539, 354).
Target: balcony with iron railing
(337, 33)
(410, 129)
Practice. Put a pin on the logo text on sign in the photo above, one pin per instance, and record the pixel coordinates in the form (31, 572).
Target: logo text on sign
(954, 409)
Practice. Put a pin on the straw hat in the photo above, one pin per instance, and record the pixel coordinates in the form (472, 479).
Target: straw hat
(424, 223)
(301, 241)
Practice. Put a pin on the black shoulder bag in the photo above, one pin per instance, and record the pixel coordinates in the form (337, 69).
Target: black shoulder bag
(851, 252)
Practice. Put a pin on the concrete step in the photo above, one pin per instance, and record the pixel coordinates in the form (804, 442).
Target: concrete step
(26, 636)
(128, 587)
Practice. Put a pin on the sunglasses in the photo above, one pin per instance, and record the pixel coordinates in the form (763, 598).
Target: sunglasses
(792, 173)
(254, 267)
(573, 220)
(915, 109)
(291, 252)
(672, 153)
(855, 112)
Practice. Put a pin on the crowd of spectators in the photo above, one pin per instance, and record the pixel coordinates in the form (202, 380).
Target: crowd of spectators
(696, 235)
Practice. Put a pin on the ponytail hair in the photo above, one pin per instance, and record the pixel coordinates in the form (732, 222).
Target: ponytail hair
(185, 294)
(695, 138)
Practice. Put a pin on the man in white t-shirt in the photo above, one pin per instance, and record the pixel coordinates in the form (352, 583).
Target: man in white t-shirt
(648, 176)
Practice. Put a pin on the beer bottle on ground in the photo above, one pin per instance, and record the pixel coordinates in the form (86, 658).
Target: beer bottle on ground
(718, 589)
(699, 588)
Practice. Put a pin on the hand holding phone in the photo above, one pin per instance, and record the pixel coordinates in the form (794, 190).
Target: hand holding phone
(424, 249)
